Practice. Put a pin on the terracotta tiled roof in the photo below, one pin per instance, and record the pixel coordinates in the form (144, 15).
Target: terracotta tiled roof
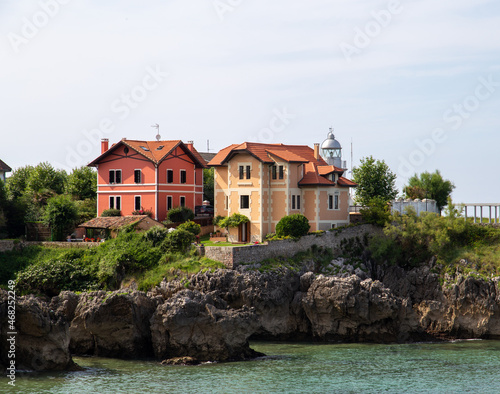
(155, 151)
(344, 182)
(294, 153)
(325, 170)
(4, 167)
(113, 222)
(312, 177)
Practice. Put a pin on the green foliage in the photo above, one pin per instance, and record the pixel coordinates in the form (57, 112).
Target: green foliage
(18, 181)
(208, 184)
(190, 226)
(87, 209)
(429, 185)
(295, 225)
(111, 212)
(45, 178)
(217, 220)
(156, 235)
(376, 212)
(143, 211)
(180, 214)
(232, 221)
(50, 278)
(61, 215)
(410, 241)
(178, 241)
(82, 183)
(375, 180)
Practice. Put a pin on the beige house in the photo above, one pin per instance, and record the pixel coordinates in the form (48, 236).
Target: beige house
(268, 181)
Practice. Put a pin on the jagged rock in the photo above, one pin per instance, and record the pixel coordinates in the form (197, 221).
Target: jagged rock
(192, 324)
(350, 309)
(42, 339)
(181, 361)
(271, 294)
(113, 325)
(65, 304)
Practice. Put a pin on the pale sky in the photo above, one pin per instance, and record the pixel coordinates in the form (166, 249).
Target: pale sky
(415, 83)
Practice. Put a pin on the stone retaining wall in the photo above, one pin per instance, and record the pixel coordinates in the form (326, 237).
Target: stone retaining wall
(231, 257)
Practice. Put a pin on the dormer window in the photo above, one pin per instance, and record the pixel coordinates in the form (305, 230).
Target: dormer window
(160, 147)
(144, 148)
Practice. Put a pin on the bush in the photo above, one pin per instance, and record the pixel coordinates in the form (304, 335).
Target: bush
(178, 241)
(295, 225)
(190, 226)
(180, 214)
(156, 235)
(232, 221)
(143, 212)
(111, 212)
(377, 212)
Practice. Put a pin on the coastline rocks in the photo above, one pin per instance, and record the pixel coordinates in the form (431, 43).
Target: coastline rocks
(42, 340)
(351, 309)
(113, 325)
(192, 324)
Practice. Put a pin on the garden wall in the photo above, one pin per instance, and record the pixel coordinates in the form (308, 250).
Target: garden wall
(231, 257)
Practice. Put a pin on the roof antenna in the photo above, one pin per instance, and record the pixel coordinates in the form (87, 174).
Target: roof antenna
(157, 127)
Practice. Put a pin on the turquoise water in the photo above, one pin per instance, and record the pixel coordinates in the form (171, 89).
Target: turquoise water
(457, 367)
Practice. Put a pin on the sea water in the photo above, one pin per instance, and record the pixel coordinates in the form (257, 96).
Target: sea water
(448, 367)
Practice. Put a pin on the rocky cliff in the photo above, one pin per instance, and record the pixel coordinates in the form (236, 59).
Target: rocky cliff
(219, 311)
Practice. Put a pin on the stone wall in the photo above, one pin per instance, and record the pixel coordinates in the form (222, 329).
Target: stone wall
(231, 257)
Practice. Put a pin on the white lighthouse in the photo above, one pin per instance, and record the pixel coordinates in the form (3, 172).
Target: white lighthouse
(331, 150)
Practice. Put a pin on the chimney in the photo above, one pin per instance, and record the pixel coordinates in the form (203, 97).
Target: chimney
(316, 151)
(104, 145)
(189, 144)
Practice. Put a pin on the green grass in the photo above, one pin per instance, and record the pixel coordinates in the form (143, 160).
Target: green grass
(205, 240)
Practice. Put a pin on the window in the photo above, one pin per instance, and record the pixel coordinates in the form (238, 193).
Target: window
(169, 203)
(227, 202)
(115, 202)
(298, 202)
(333, 201)
(241, 171)
(330, 201)
(273, 172)
(170, 176)
(137, 176)
(244, 202)
(183, 176)
(115, 176)
(293, 202)
(280, 172)
(336, 201)
(248, 172)
(182, 201)
(137, 203)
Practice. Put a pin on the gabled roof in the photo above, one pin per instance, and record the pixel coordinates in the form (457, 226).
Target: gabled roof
(263, 152)
(113, 222)
(156, 151)
(326, 170)
(313, 178)
(344, 182)
(4, 167)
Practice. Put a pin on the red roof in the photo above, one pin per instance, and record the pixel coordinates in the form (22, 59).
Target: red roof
(315, 170)
(4, 167)
(156, 151)
(263, 152)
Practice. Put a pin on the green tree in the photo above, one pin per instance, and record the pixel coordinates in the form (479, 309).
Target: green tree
(17, 182)
(208, 184)
(429, 185)
(82, 183)
(60, 214)
(375, 180)
(45, 179)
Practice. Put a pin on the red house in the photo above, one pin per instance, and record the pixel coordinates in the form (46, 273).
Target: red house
(148, 175)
